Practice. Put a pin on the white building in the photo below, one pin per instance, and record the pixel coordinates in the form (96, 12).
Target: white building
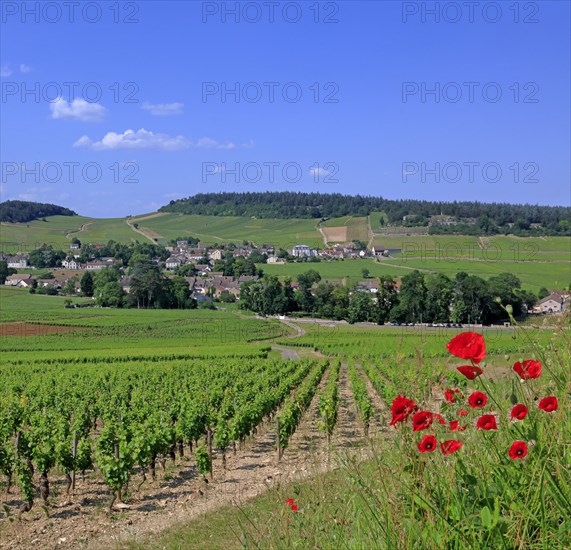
(303, 251)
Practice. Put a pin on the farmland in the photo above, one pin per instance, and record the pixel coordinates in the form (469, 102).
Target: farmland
(218, 229)
(144, 398)
(537, 261)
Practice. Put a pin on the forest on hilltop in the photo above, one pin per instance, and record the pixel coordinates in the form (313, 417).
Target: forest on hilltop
(488, 218)
(26, 211)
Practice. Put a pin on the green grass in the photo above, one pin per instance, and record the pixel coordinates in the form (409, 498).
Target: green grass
(336, 269)
(59, 230)
(106, 332)
(16, 237)
(217, 229)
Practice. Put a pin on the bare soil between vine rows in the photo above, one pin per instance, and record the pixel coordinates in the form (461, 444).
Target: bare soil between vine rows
(180, 493)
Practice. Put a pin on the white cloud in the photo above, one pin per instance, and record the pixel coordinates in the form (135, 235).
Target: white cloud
(78, 109)
(25, 68)
(207, 143)
(5, 71)
(321, 172)
(141, 139)
(144, 139)
(163, 109)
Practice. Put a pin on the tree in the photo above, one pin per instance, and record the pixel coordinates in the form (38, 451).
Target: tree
(69, 287)
(471, 299)
(543, 293)
(503, 291)
(5, 271)
(360, 305)
(439, 291)
(86, 284)
(46, 256)
(366, 273)
(110, 294)
(412, 299)
(387, 298)
(181, 293)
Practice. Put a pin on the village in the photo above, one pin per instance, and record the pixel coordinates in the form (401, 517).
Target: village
(199, 264)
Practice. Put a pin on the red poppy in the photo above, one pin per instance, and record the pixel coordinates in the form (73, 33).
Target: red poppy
(401, 409)
(486, 422)
(477, 400)
(294, 508)
(449, 395)
(462, 412)
(439, 418)
(519, 412)
(470, 371)
(455, 426)
(548, 404)
(427, 444)
(421, 421)
(290, 502)
(450, 446)
(518, 450)
(468, 345)
(528, 369)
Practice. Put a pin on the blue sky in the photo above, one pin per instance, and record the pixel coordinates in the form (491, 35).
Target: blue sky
(148, 120)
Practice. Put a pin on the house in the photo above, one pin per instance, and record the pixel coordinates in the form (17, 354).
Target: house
(276, 260)
(557, 302)
(18, 261)
(216, 255)
(71, 263)
(242, 252)
(368, 286)
(202, 269)
(74, 246)
(125, 283)
(303, 251)
(102, 263)
(331, 253)
(173, 262)
(23, 280)
(194, 256)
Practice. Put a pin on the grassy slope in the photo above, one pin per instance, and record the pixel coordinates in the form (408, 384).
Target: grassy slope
(216, 229)
(536, 261)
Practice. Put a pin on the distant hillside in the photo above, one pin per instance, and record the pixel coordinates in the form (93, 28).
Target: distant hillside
(486, 218)
(25, 211)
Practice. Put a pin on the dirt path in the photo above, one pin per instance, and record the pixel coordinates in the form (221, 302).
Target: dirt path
(139, 231)
(382, 411)
(287, 353)
(82, 227)
(179, 494)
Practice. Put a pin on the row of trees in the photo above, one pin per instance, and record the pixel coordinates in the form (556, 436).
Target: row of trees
(317, 205)
(148, 288)
(422, 298)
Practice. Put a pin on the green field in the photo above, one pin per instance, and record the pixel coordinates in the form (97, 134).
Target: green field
(538, 261)
(218, 229)
(335, 270)
(136, 385)
(102, 333)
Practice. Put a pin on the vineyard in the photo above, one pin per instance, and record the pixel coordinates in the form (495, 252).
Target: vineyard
(128, 423)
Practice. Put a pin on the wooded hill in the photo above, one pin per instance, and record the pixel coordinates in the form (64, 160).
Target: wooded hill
(25, 211)
(486, 218)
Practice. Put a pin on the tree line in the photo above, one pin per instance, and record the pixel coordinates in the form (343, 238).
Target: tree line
(25, 211)
(491, 217)
(422, 298)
